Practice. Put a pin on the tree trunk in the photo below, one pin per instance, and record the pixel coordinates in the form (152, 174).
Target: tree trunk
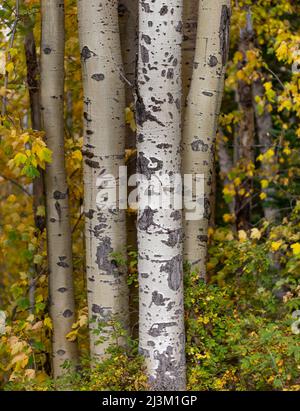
(226, 164)
(158, 110)
(104, 148)
(264, 126)
(246, 128)
(33, 84)
(62, 307)
(128, 17)
(190, 17)
(203, 105)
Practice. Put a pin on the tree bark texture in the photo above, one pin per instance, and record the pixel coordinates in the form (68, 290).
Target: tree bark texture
(103, 151)
(158, 110)
(62, 307)
(202, 111)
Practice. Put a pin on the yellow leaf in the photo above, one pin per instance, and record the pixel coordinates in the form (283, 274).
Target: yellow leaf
(227, 218)
(20, 158)
(48, 323)
(296, 249)
(242, 235)
(9, 67)
(263, 196)
(77, 155)
(264, 184)
(41, 211)
(129, 118)
(72, 336)
(276, 245)
(11, 199)
(255, 234)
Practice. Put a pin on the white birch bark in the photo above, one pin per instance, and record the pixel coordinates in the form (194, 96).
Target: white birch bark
(202, 111)
(62, 306)
(190, 21)
(104, 148)
(158, 110)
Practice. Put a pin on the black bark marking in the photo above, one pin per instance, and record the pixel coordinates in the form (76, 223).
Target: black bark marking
(158, 329)
(146, 38)
(98, 77)
(212, 61)
(86, 53)
(199, 145)
(164, 146)
(146, 7)
(142, 115)
(88, 154)
(174, 238)
(103, 260)
(63, 264)
(90, 214)
(225, 33)
(67, 313)
(146, 219)
(148, 167)
(174, 270)
(158, 299)
(58, 195)
(60, 352)
(176, 215)
(207, 93)
(179, 27)
(144, 54)
(62, 290)
(163, 10)
(92, 164)
(47, 50)
(86, 117)
(104, 312)
(58, 210)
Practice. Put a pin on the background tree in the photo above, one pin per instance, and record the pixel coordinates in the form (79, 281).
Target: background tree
(201, 118)
(61, 298)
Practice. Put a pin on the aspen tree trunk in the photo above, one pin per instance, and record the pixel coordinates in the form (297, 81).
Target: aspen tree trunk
(128, 13)
(128, 18)
(33, 84)
(190, 19)
(104, 147)
(158, 110)
(202, 111)
(62, 307)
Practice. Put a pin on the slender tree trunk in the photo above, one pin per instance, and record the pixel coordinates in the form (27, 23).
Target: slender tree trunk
(226, 164)
(33, 84)
(62, 307)
(202, 112)
(263, 127)
(190, 19)
(104, 147)
(246, 129)
(128, 17)
(158, 109)
(33, 73)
